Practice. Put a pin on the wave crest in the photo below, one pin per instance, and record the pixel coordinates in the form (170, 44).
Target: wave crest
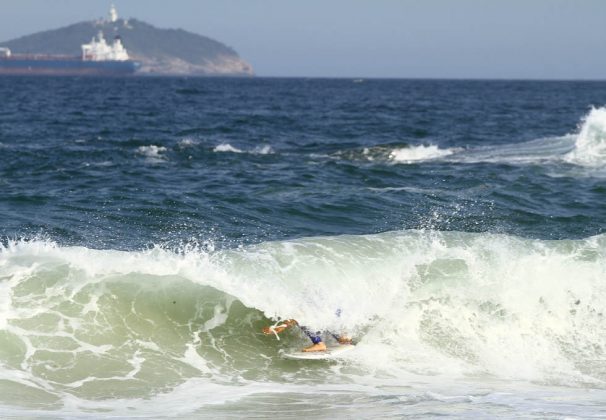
(430, 302)
(419, 153)
(152, 152)
(590, 143)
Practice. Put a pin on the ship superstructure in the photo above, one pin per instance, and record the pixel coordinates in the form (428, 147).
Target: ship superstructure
(100, 50)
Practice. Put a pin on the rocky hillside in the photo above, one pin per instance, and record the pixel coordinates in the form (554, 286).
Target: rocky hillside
(160, 51)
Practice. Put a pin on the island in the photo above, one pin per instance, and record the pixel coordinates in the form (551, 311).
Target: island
(156, 51)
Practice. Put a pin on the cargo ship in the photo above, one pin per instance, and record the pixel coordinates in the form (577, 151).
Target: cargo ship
(97, 58)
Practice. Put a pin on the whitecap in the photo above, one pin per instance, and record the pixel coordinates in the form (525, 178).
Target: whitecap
(263, 150)
(590, 143)
(419, 153)
(187, 142)
(226, 147)
(152, 151)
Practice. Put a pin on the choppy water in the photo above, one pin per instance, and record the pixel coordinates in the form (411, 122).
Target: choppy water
(151, 227)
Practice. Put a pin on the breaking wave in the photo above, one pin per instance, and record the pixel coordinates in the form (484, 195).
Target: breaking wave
(396, 153)
(79, 322)
(586, 149)
(590, 143)
(419, 153)
(226, 147)
(152, 152)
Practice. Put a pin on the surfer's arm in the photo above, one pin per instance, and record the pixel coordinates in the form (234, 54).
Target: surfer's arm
(276, 329)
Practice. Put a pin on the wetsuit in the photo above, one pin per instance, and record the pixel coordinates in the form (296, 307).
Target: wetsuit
(314, 337)
(317, 336)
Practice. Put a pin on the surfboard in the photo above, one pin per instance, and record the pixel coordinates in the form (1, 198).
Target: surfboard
(331, 352)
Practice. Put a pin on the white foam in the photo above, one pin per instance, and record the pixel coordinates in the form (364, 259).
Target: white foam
(187, 142)
(226, 147)
(265, 149)
(418, 153)
(590, 143)
(423, 304)
(152, 151)
(491, 303)
(544, 150)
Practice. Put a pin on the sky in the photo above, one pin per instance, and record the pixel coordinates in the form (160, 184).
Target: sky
(494, 39)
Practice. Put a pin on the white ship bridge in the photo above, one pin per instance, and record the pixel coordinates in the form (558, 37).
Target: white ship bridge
(100, 50)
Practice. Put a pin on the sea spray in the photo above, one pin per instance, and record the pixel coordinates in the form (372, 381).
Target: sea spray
(502, 305)
(98, 321)
(590, 143)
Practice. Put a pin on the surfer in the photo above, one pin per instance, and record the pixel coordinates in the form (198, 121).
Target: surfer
(316, 338)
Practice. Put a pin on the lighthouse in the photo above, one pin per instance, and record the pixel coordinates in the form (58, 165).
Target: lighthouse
(113, 14)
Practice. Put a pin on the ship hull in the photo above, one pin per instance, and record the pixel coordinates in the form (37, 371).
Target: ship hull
(50, 67)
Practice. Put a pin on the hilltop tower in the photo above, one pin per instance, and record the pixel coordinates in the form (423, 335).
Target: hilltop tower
(113, 14)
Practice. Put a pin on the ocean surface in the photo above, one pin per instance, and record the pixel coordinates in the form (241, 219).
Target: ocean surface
(151, 227)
